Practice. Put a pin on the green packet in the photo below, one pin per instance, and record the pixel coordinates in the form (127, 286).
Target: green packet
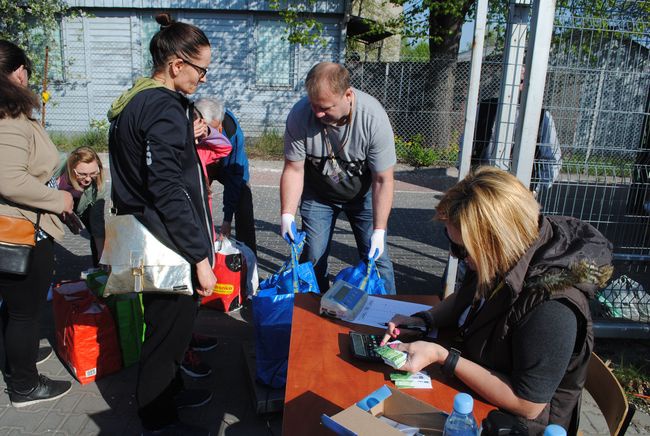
(400, 376)
(388, 353)
(406, 384)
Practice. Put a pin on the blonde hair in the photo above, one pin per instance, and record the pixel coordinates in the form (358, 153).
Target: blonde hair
(85, 155)
(497, 218)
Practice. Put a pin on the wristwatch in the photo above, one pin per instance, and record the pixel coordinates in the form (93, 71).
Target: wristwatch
(451, 361)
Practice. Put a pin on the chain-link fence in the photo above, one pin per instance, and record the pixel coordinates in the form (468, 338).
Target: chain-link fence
(425, 102)
(598, 95)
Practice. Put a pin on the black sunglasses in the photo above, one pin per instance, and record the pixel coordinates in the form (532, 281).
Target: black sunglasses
(202, 71)
(456, 250)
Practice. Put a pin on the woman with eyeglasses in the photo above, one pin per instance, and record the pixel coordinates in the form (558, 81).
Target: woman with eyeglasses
(28, 163)
(82, 175)
(520, 321)
(157, 177)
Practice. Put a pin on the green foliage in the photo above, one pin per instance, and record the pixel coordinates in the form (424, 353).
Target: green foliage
(414, 51)
(101, 126)
(417, 154)
(33, 25)
(614, 21)
(599, 166)
(440, 21)
(302, 27)
(95, 137)
(634, 378)
(268, 146)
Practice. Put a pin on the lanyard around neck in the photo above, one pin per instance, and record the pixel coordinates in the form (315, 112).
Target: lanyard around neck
(346, 136)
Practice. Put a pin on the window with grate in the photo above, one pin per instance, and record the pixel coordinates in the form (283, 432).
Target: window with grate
(274, 55)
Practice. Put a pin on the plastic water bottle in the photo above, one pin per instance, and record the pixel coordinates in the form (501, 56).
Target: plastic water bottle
(461, 422)
(554, 430)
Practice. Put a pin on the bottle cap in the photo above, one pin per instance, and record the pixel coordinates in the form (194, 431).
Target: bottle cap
(554, 430)
(463, 403)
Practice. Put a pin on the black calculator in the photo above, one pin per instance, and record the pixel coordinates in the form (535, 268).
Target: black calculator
(363, 346)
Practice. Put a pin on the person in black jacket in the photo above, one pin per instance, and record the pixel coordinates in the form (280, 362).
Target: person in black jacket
(520, 326)
(157, 177)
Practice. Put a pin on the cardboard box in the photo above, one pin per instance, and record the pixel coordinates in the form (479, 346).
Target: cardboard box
(362, 418)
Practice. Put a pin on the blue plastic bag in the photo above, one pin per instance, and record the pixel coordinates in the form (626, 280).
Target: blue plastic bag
(364, 276)
(293, 277)
(272, 313)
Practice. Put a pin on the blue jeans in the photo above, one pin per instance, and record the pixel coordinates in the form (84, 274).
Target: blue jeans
(318, 220)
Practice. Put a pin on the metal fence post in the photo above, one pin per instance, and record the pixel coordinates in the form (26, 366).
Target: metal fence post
(506, 117)
(470, 119)
(534, 83)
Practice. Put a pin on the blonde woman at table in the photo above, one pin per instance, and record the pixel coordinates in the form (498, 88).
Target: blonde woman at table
(521, 316)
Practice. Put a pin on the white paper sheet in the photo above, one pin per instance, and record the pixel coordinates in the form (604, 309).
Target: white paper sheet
(378, 311)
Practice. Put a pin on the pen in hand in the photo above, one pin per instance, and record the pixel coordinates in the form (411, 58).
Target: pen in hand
(408, 327)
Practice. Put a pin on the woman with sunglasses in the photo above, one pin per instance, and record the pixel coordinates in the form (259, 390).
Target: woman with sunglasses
(82, 175)
(520, 320)
(28, 162)
(157, 177)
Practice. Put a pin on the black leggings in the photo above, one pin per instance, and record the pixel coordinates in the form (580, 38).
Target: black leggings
(23, 298)
(88, 222)
(169, 322)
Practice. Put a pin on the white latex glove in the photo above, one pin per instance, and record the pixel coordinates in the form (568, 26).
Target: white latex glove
(287, 227)
(377, 244)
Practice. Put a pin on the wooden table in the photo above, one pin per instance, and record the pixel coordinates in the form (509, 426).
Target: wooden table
(323, 377)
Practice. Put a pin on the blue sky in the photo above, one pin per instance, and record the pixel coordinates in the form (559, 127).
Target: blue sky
(466, 36)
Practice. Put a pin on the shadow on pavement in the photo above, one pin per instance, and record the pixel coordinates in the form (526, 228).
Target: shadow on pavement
(416, 243)
(431, 178)
(68, 265)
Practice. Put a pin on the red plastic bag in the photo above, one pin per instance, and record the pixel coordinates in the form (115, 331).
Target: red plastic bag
(86, 338)
(229, 269)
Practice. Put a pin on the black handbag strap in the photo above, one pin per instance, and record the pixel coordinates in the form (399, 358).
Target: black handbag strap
(37, 226)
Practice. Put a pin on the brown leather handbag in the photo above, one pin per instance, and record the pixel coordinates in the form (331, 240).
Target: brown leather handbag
(17, 240)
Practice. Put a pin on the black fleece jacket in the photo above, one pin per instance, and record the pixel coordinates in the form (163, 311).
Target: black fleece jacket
(156, 175)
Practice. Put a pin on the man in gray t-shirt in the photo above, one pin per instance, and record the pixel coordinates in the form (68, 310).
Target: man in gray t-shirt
(339, 153)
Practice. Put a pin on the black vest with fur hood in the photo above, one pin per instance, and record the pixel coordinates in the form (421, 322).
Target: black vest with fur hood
(570, 260)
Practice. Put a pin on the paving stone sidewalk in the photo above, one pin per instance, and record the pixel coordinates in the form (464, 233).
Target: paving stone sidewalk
(419, 252)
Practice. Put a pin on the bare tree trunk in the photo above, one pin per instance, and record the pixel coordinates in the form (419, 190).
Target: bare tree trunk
(444, 40)
(444, 33)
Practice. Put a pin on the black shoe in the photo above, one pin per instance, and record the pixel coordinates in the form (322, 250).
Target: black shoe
(202, 342)
(44, 353)
(192, 398)
(178, 429)
(193, 366)
(45, 390)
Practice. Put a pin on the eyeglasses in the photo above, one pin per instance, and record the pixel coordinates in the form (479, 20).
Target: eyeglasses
(202, 71)
(456, 250)
(92, 175)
